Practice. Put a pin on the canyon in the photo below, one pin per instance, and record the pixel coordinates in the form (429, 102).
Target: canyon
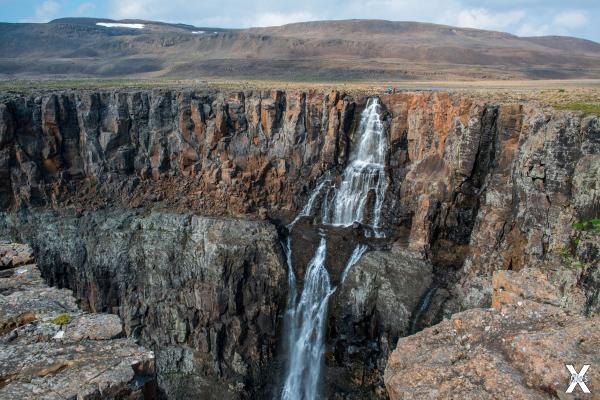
(184, 212)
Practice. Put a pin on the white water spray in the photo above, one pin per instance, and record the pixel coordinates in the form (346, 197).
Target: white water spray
(310, 204)
(359, 250)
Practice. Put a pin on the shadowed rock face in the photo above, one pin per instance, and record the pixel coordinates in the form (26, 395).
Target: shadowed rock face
(369, 312)
(473, 188)
(205, 293)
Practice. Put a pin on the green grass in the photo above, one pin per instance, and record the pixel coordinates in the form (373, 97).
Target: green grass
(591, 225)
(61, 319)
(586, 108)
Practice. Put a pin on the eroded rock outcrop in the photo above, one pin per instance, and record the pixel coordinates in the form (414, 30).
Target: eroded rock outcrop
(519, 349)
(51, 349)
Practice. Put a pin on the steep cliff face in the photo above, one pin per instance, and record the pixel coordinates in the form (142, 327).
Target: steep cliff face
(205, 294)
(473, 188)
(213, 152)
(489, 187)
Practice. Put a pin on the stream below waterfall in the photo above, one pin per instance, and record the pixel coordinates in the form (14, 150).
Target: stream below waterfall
(339, 206)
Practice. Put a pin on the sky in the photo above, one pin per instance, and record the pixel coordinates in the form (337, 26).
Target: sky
(521, 17)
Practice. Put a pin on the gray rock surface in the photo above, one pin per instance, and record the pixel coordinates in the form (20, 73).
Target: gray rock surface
(50, 349)
(204, 293)
(14, 254)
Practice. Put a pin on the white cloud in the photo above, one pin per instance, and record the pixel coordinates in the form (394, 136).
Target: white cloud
(535, 30)
(523, 17)
(46, 11)
(277, 19)
(571, 19)
(134, 9)
(85, 9)
(562, 24)
(480, 18)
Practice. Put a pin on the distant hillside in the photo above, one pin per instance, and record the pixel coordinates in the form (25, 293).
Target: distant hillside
(349, 49)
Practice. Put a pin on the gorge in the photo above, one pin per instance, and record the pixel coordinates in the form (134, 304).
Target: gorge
(229, 230)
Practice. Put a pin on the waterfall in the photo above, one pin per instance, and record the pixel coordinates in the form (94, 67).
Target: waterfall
(421, 309)
(308, 330)
(359, 250)
(310, 204)
(305, 321)
(364, 173)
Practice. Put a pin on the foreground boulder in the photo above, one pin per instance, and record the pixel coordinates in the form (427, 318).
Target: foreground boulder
(51, 349)
(518, 350)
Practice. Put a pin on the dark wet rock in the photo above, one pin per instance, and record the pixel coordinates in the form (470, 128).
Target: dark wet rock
(370, 310)
(341, 242)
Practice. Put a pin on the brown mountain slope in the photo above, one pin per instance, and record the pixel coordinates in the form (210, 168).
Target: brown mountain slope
(349, 49)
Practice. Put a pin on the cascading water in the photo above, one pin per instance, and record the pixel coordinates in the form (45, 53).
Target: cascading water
(354, 257)
(365, 173)
(305, 321)
(301, 382)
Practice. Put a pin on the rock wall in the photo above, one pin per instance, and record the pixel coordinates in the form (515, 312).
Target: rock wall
(490, 187)
(210, 151)
(205, 294)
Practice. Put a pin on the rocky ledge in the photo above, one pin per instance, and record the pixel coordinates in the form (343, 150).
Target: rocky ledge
(518, 349)
(51, 349)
